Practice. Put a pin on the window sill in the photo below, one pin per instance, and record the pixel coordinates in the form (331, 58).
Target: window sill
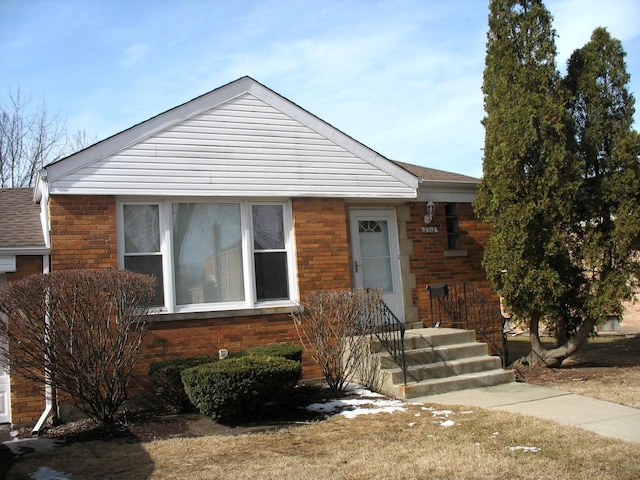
(456, 253)
(205, 315)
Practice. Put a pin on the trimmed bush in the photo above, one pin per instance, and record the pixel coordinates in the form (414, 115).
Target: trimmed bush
(166, 379)
(285, 350)
(236, 387)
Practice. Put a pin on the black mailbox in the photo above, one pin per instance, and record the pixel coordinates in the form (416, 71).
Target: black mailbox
(438, 290)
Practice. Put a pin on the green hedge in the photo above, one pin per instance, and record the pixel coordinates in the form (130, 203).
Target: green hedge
(237, 387)
(165, 378)
(285, 350)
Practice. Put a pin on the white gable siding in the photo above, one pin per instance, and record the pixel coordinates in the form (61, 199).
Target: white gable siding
(243, 147)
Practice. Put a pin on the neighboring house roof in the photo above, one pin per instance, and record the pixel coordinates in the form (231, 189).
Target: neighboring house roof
(440, 186)
(20, 225)
(240, 140)
(427, 174)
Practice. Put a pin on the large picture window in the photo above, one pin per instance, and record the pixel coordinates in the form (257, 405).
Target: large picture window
(207, 252)
(210, 255)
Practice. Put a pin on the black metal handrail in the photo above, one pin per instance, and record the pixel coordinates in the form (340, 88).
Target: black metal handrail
(461, 305)
(390, 332)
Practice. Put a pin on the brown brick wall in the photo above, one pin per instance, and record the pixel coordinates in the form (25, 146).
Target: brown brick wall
(27, 397)
(83, 232)
(322, 244)
(26, 265)
(27, 401)
(431, 266)
(83, 235)
(322, 255)
(190, 338)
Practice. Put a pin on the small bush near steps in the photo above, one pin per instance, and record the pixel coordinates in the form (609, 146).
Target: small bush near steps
(236, 387)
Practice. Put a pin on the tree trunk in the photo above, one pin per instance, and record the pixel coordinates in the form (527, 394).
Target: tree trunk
(541, 357)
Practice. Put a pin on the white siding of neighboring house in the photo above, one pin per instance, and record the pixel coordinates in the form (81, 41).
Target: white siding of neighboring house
(242, 147)
(5, 384)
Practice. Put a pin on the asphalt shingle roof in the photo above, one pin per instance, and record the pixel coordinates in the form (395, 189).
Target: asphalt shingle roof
(19, 219)
(431, 174)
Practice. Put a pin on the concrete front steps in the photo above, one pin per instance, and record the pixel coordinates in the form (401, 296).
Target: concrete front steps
(439, 360)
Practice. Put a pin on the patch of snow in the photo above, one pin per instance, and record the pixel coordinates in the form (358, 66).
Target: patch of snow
(441, 413)
(355, 389)
(369, 411)
(412, 424)
(524, 449)
(352, 407)
(46, 473)
(371, 403)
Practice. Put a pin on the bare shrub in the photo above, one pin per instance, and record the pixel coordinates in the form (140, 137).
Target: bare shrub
(335, 328)
(79, 331)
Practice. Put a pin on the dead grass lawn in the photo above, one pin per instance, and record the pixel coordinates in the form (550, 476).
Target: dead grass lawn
(606, 368)
(404, 445)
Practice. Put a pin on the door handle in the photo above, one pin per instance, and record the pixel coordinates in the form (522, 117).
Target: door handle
(357, 264)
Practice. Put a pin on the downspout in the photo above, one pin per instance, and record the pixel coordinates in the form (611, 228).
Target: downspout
(43, 195)
(48, 391)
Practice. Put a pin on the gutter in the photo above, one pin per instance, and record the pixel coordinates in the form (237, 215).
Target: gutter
(48, 391)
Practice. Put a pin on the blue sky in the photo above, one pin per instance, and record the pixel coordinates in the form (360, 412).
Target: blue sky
(403, 77)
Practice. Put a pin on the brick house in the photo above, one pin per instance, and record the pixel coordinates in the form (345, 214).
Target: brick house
(240, 202)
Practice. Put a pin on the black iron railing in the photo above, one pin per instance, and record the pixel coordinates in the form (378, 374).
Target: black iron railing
(390, 331)
(461, 305)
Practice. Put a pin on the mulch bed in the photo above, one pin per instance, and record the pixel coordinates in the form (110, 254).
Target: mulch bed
(145, 426)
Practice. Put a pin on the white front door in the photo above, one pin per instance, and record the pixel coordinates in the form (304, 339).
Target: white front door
(5, 393)
(374, 243)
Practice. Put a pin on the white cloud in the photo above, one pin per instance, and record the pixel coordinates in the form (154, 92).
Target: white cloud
(575, 20)
(135, 54)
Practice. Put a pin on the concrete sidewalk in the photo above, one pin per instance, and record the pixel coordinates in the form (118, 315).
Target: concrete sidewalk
(605, 418)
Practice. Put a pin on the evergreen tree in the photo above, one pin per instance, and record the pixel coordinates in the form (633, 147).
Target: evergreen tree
(555, 255)
(607, 224)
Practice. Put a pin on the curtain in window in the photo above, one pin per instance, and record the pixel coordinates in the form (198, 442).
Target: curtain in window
(270, 255)
(142, 244)
(207, 253)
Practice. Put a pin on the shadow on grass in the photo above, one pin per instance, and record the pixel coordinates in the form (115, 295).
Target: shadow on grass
(133, 429)
(603, 351)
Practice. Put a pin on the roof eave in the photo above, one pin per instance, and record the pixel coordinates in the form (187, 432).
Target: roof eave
(21, 251)
(447, 191)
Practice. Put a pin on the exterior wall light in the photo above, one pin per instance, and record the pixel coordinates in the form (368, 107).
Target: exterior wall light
(430, 211)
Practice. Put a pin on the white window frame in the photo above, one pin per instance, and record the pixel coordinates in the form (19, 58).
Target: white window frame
(287, 219)
(166, 249)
